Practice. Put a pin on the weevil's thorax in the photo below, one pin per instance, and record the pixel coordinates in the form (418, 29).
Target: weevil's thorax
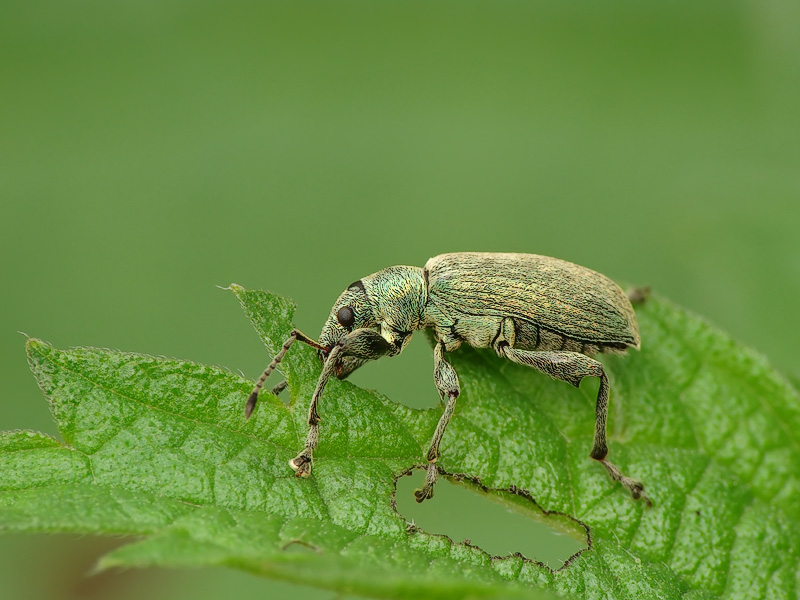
(398, 296)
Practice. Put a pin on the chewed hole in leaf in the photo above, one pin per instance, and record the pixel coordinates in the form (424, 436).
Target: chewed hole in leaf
(499, 522)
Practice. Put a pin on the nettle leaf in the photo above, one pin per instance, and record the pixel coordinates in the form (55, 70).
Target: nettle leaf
(159, 449)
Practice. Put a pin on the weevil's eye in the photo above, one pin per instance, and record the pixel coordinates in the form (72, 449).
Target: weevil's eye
(346, 317)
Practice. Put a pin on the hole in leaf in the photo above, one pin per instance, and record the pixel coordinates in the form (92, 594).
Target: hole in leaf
(499, 522)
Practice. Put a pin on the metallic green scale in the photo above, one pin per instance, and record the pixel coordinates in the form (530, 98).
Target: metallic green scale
(537, 311)
(538, 293)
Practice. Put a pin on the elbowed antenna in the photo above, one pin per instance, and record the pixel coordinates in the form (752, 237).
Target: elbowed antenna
(294, 335)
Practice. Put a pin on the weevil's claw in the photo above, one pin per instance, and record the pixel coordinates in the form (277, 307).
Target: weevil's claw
(423, 494)
(251, 404)
(301, 465)
(431, 477)
(636, 488)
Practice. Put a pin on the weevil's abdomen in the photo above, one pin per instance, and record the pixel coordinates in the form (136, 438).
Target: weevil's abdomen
(532, 337)
(554, 304)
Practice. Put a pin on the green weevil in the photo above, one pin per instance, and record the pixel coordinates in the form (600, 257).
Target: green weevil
(536, 311)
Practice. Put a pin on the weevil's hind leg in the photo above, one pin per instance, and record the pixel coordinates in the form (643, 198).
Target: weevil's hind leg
(572, 367)
(446, 380)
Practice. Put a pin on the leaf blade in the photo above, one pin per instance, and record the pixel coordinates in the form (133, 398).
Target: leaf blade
(165, 442)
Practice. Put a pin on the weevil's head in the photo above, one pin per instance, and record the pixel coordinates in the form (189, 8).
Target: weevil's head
(350, 312)
(391, 301)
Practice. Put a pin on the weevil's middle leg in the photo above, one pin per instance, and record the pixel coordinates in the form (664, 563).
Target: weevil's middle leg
(572, 367)
(446, 380)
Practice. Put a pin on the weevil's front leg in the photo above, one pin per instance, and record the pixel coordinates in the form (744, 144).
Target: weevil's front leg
(365, 344)
(446, 380)
(572, 367)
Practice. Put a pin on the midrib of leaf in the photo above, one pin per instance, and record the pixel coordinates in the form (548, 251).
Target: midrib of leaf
(512, 427)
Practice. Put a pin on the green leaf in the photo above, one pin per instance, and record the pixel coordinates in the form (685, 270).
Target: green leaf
(160, 449)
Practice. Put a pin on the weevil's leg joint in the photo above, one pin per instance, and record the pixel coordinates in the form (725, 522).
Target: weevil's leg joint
(599, 452)
(362, 343)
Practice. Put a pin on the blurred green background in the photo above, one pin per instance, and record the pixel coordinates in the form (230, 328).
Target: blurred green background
(152, 150)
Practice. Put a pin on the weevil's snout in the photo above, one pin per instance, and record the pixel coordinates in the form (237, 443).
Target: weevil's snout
(346, 365)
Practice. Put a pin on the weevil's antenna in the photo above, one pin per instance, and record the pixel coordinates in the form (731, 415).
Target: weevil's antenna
(295, 335)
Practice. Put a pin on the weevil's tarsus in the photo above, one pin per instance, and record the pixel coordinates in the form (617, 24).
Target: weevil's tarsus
(296, 334)
(431, 477)
(302, 462)
(633, 486)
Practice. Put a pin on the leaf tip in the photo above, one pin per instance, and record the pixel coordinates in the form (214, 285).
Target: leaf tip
(35, 345)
